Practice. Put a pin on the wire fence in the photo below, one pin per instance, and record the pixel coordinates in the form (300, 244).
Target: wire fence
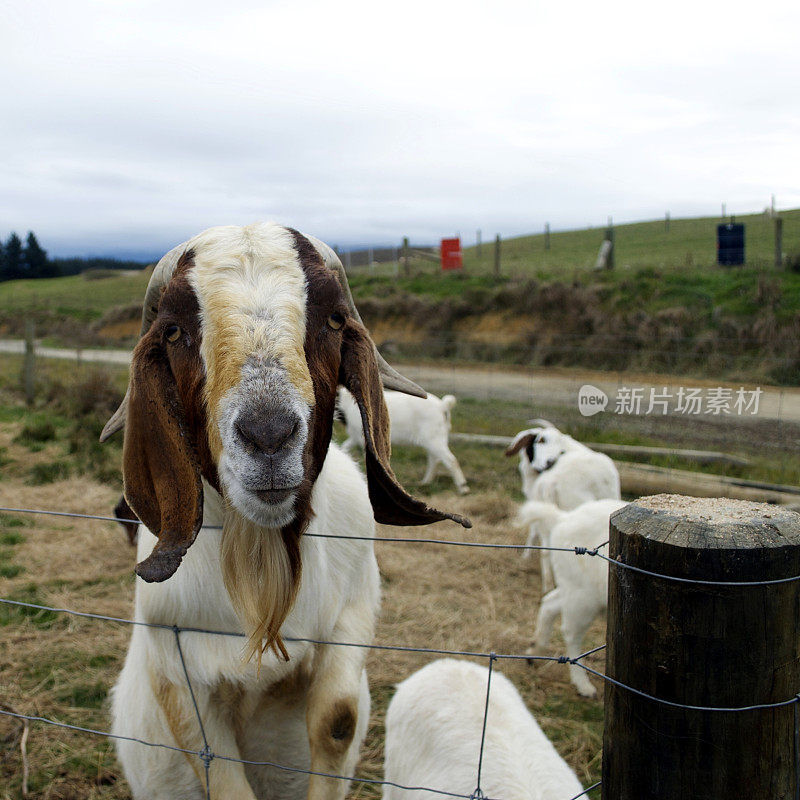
(206, 755)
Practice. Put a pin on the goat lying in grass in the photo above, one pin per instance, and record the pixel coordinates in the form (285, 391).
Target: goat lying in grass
(414, 421)
(433, 739)
(581, 581)
(557, 469)
(246, 334)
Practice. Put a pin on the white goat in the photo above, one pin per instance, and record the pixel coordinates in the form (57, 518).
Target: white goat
(557, 469)
(228, 418)
(433, 739)
(581, 580)
(414, 421)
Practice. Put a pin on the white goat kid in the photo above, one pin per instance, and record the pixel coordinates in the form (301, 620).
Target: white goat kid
(414, 421)
(433, 739)
(245, 334)
(581, 581)
(557, 469)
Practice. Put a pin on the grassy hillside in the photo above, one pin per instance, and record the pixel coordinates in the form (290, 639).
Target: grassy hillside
(666, 306)
(688, 243)
(75, 296)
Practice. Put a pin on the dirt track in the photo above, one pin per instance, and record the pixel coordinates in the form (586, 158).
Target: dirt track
(560, 386)
(542, 386)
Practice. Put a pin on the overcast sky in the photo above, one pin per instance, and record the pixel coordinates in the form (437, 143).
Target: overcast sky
(130, 125)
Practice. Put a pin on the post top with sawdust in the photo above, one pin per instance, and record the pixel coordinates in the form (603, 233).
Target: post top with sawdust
(715, 510)
(709, 523)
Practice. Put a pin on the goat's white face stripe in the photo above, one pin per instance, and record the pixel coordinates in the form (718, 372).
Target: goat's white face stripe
(251, 289)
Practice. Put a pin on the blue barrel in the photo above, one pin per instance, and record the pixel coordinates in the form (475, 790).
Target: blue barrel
(730, 244)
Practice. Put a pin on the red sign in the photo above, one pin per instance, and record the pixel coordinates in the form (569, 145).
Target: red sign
(451, 254)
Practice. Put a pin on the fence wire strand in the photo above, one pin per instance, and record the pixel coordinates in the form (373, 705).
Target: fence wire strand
(477, 794)
(581, 551)
(205, 754)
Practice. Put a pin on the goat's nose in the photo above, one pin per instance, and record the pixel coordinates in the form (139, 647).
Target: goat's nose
(267, 433)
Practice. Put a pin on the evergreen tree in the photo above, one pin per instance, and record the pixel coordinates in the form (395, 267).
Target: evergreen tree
(35, 262)
(12, 258)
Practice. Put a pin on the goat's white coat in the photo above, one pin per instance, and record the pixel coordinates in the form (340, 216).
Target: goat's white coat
(337, 601)
(414, 421)
(579, 475)
(433, 735)
(581, 582)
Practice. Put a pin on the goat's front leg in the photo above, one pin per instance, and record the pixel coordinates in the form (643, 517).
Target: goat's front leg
(218, 710)
(338, 705)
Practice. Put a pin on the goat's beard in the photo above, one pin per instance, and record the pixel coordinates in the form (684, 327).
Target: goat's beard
(261, 572)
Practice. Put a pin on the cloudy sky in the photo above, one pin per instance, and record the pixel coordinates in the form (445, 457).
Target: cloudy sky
(130, 125)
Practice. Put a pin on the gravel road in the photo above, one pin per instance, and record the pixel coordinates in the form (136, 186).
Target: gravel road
(548, 387)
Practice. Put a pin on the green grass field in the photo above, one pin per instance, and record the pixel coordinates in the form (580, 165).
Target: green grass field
(74, 296)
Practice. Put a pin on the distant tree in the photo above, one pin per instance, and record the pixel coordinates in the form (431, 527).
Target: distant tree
(34, 259)
(12, 258)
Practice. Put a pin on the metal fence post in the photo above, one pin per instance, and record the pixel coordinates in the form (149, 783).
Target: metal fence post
(707, 646)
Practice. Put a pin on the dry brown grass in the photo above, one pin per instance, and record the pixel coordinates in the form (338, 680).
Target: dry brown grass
(434, 596)
(58, 666)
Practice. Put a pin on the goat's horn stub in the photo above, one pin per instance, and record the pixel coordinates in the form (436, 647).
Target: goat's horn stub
(541, 423)
(117, 421)
(390, 377)
(162, 274)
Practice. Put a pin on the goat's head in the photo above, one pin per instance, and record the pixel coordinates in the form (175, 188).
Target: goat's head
(246, 334)
(539, 448)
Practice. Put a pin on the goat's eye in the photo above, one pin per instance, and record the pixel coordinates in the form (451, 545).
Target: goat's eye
(173, 333)
(335, 321)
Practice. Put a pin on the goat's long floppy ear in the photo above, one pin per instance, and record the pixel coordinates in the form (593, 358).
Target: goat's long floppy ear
(522, 439)
(161, 470)
(360, 376)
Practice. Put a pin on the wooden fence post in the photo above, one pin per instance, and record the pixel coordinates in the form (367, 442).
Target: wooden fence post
(406, 258)
(547, 236)
(29, 364)
(497, 255)
(779, 242)
(478, 241)
(700, 645)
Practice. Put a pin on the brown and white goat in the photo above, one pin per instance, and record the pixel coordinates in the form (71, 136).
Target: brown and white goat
(246, 334)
